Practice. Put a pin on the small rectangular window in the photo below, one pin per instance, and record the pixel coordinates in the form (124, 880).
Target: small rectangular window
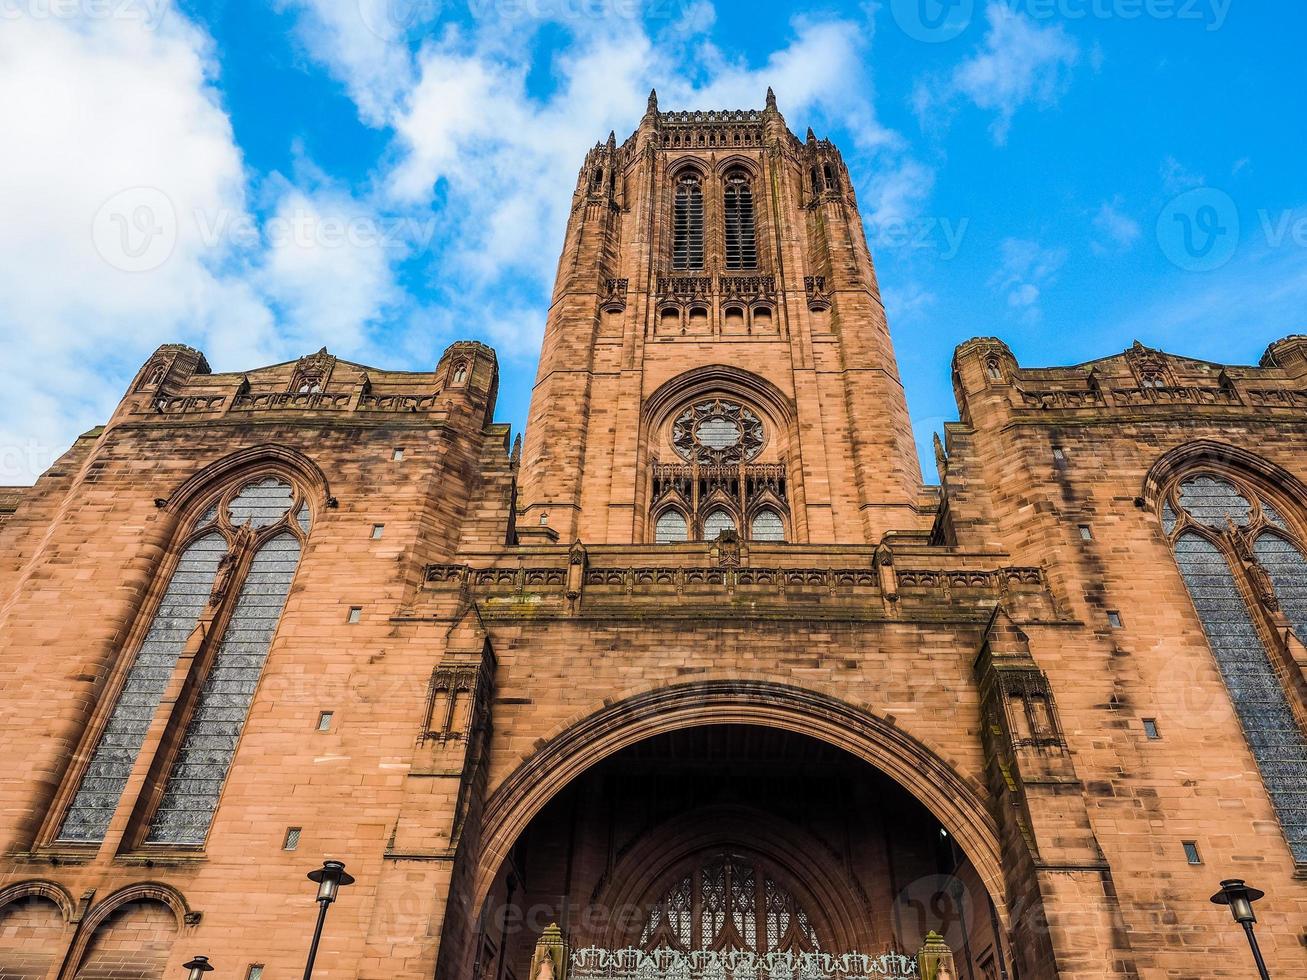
(256, 972)
(1086, 533)
(1150, 729)
(1059, 454)
(355, 614)
(1114, 619)
(292, 840)
(324, 721)
(1191, 852)
(398, 455)
(377, 531)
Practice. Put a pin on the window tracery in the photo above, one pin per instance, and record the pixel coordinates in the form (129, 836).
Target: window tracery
(730, 902)
(1242, 567)
(235, 571)
(717, 432)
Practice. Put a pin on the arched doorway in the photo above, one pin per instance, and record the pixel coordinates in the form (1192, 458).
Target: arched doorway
(733, 840)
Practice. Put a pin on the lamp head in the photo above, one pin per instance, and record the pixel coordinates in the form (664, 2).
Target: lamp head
(330, 878)
(198, 967)
(1240, 898)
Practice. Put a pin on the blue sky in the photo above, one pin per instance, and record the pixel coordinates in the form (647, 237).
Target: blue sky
(259, 179)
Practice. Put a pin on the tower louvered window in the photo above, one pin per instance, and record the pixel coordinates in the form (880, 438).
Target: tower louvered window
(687, 224)
(233, 577)
(1242, 567)
(737, 207)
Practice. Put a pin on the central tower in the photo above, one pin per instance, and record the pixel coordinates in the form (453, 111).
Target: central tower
(716, 354)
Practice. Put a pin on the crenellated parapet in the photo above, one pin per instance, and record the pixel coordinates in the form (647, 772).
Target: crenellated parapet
(1140, 382)
(176, 383)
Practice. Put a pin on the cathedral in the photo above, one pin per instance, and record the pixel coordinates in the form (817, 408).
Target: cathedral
(699, 679)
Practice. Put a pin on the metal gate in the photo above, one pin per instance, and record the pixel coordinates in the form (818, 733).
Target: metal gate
(592, 963)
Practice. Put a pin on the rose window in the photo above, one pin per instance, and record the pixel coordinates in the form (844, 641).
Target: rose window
(717, 432)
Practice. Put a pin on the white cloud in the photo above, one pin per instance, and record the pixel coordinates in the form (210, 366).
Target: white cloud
(1176, 178)
(1026, 268)
(1018, 63)
(1117, 230)
(504, 164)
(128, 225)
(364, 43)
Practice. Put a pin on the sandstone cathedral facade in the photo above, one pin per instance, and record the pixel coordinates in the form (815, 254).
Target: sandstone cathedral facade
(700, 680)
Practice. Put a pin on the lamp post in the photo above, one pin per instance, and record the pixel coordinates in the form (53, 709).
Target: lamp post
(330, 878)
(198, 967)
(1240, 898)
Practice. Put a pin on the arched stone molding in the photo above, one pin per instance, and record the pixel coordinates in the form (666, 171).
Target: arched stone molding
(718, 379)
(805, 867)
(269, 458)
(737, 161)
(44, 889)
(677, 167)
(955, 801)
(145, 891)
(1216, 456)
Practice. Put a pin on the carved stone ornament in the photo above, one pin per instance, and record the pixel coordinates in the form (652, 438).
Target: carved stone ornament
(717, 432)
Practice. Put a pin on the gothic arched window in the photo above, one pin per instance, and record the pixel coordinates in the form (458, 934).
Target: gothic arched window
(1247, 577)
(236, 572)
(767, 526)
(687, 223)
(737, 209)
(716, 522)
(671, 528)
(729, 903)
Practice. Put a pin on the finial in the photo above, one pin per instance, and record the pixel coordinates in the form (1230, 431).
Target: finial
(653, 100)
(612, 139)
(812, 137)
(771, 98)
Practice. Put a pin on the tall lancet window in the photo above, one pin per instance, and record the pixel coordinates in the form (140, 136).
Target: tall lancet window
(1247, 576)
(737, 207)
(687, 223)
(234, 576)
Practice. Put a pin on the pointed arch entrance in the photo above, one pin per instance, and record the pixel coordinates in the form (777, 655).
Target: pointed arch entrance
(605, 823)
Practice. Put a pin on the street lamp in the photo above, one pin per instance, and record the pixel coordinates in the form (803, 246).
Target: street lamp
(1240, 898)
(330, 878)
(198, 967)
